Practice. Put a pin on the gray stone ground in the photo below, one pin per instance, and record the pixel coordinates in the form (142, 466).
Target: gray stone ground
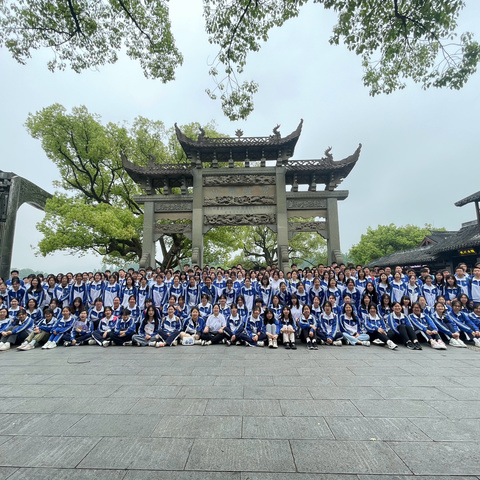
(188, 413)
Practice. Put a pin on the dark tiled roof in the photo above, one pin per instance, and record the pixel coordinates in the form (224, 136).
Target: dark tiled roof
(415, 256)
(466, 237)
(438, 236)
(471, 198)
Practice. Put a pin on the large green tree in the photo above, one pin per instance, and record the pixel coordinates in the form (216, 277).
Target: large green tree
(387, 239)
(93, 208)
(395, 39)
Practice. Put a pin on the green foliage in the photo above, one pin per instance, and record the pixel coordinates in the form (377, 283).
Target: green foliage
(395, 39)
(83, 34)
(95, 209)
(388, 239)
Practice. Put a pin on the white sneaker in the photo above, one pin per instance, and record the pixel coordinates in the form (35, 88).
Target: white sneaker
(92, 342)
(337, 343)
(377, 341)
(441, 345)
(209, 342)
(152, 344)
(366, 343)
(45, 346)
(22, 346)
(453, 342)
(260, 343)
(477, 342)
(67, 344)
(238, 342)
(275, 344)
(174, 344)
(106, 343)
(197, 342)
(391, 345)
(52, 345)
(128, 344)
(159, 344)
(461, 343)
(433, 343)
(29, 346)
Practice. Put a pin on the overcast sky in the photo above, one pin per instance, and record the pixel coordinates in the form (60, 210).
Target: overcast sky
(420, 148)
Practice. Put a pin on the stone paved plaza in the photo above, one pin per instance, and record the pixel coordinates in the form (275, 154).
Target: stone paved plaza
(239, 413)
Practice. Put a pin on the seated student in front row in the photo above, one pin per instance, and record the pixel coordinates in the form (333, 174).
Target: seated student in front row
(352, 327)
(41, 332)
(329, 331)
(287, 328)
(170, 327)
(62, 326)
(254, 334)
(308, 328)
(192, 327)
(17, 331)
(424, 326)
(234, 327)
(106, 324)
(81, 331)
(214, 327)
(272, 327)
(148, 331)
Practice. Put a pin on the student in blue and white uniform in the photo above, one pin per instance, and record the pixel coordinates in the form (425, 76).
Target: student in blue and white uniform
(36, 292)
(95, 289)
(159, 292)
(309, 328)
(224, 308)
(316, 291)
(128, 289)
(329, 331)
(62, 292)
(192, 293)
(219, 284)
(78, 289)
(361, 281)
(123, 330)
(383, 286)
(474, 318)
(143, 292)
(288, 328)
(81, 331)
(371, 292)
(4, 319)
(385, 307)
(399, 288)
(17, 331)
(192, 327)
(352, 328)
(96, 312)
(62, 326)
(135, 311)
(209, 290)
(302, 295)
(332, 289)
(242, 309)
(176, 289)
(170, 327)
(148, 331)
(234, 327)
(265, 291)
(452, 290)
(254, 334)
(424, 326)
(284, 295)
(13, 309)
(16, 291)
(463, 281)
(377, 329)
(276, 306)
(230, 292)
(33, 311)
(430, 291)
(101, 335)
(249, 294)
(475, 284)
(353, 292)
(463, 322)
(272, 327)
(111, 290)
(399, 326)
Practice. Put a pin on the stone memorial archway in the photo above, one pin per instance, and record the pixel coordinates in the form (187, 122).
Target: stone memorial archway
(233, 185)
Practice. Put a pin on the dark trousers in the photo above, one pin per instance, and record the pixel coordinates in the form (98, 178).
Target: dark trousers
(118, 340)
(324, 336)
(15, 338)
(168, 337)
(214, 337)
(247, 338)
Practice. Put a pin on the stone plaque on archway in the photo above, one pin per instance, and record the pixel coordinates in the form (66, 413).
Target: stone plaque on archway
(241, 181)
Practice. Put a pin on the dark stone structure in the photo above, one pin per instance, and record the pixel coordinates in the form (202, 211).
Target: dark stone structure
(14, 191)
(252, 193)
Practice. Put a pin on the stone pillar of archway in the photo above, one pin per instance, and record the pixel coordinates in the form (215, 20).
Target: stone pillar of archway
(14, 192)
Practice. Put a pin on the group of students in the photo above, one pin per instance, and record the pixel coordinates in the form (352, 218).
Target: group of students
(334, 305)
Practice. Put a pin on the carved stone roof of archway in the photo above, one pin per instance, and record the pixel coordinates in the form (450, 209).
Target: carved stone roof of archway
(253, 148)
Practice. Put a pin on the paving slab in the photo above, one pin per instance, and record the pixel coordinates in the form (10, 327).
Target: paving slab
(286, 428)
(186, 380)
(413, 393)
(278, 393)
(343, 393)
(215, 391)
(295, 476)
(291, 381)
(241, 455)
(457, 409)
(37, 424)
(365, 381)
(63, 452)
(346, 457)
(84, 390)
(449, 430)
(318, 408)
(199, 427)
(146, 391)
(170, 406)
(138, 453)
(61, 474)
(439, 458)
(262, 408)
(6, 472)
(114, 426)
(397, 408)
(375, 429)
(170, 475)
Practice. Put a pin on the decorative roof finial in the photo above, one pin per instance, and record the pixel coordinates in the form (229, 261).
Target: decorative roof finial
(276, 131)
(239, 133)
